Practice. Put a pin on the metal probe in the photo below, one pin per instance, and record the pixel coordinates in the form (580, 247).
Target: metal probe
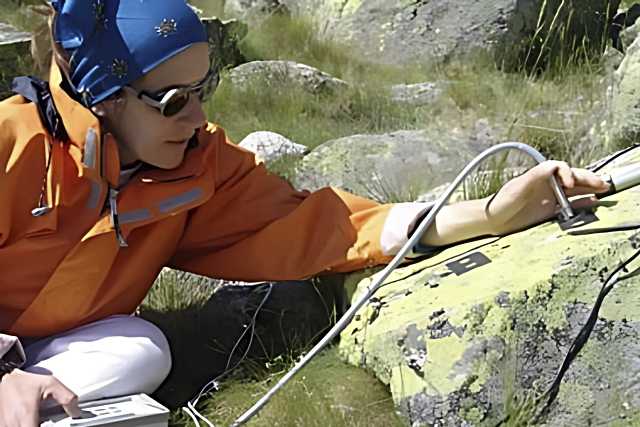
(566, 214)
(623, 179)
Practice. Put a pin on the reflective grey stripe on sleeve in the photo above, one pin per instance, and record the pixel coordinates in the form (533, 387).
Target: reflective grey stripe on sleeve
(180, 200)
(90, 146)
(94, 196)
(133, 216)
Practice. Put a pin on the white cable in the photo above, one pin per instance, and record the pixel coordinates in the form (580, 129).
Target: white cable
(190, 409)
(195, 420)
(199, 415)
(566, 213)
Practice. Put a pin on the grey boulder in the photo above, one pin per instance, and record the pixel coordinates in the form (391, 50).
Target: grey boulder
(397, 166)
(395, 31)
(271, 146)
(284, 73)
(417, 94)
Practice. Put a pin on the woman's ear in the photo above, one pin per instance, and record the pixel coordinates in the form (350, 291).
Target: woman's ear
(111, 107)
(100, 110)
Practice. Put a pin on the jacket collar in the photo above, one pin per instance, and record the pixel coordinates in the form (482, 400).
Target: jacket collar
(96, 155)
(76, 117)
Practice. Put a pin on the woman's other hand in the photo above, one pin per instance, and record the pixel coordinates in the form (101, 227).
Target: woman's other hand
(22, 392)
(521, 202)
(529, 199)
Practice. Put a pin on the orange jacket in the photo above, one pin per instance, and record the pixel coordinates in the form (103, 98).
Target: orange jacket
(219, 214)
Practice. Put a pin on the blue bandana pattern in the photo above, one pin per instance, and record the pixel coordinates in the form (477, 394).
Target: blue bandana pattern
(114, 42)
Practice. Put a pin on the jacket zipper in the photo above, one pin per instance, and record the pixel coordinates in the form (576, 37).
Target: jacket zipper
(113, 207)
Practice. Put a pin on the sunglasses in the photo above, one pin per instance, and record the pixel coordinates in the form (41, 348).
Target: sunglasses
(171, 101)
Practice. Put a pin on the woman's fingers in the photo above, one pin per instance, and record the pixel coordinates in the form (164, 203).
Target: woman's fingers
(65, 397)
(574, 180)
(587, 178)
(581, 191)
(565, 173)
(584, 202)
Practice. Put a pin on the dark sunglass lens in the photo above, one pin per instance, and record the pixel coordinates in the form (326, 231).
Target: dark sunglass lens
(177, 102)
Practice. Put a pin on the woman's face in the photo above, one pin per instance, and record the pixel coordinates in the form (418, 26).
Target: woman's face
(142, 132)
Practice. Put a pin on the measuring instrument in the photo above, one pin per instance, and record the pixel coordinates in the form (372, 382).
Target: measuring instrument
(137, 410)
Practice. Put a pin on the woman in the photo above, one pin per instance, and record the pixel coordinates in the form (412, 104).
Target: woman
(112, 173)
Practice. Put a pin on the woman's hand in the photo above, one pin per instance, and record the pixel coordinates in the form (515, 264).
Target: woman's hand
(529, 199)
(521, 202)
(22, 392)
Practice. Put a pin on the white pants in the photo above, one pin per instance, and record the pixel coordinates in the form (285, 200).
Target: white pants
(116, 356)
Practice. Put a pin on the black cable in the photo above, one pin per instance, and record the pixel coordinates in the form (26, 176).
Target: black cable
(581, 339)
(595, 167)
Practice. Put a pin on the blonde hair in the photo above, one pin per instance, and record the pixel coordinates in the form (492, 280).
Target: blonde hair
(43, 44)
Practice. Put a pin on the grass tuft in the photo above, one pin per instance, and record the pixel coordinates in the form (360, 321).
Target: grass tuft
(327, 392)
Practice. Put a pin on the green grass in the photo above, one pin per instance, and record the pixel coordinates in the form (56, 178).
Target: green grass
(327, 392)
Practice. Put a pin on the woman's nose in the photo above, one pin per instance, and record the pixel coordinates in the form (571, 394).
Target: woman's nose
(193, 113)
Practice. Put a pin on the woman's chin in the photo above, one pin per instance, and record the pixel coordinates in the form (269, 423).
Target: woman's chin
(170, 163)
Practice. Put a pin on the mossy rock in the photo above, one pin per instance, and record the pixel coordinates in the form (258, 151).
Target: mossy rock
(459, 335)
(377, 166)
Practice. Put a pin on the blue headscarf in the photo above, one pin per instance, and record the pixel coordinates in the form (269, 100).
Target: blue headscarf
(114, 42)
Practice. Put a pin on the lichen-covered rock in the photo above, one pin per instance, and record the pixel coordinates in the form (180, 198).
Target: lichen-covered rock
(379, 166)
(284, 73)
(15, 57)
(271, 146)
(395, 31)
(416, 94)
(458, 335)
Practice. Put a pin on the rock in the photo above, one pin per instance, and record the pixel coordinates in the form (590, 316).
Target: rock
(252, 8)
(622, 21)
(479, 182)
(9, 34)
(416, 94)
(284, 73)
(458, 335)
(625, 110)
(224, 37)
(628, 36)
(395, 31)
(379, 166)
(15, 57)
(270, 146)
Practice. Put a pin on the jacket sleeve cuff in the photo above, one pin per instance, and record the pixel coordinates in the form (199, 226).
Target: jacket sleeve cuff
(11, 350)
(401, 222)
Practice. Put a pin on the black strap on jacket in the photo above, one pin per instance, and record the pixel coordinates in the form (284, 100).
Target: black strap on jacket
(38, 92)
